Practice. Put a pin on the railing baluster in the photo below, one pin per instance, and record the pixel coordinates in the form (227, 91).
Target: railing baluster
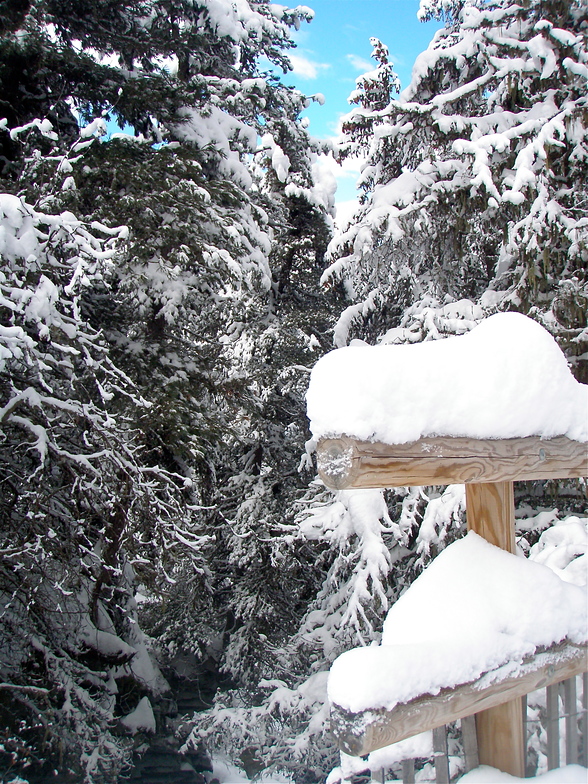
(571, 718)
(584, 721)
(576, 735)
(552, 727)
(525, 733)
(408, 771)
(441, 756)
(470, 742)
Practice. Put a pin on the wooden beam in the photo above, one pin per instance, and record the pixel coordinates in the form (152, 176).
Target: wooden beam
(362, 733)
(345, 462)
(502, 744)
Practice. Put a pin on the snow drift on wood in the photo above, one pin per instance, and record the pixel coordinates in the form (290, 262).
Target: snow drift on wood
(507, 378)
(475, 609)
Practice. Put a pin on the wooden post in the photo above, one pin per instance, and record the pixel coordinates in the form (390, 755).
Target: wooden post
(490, 512)
(441, 755)
(408, 772)
(584, 724)
(470, 743)
(552, 700)
(501, 741)
(571, 714)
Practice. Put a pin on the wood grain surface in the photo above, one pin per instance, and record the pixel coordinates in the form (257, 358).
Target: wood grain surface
(490, 511)
(346, 463)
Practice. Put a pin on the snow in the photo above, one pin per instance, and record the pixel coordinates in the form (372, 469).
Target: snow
(507, 378)
(476, 609)
(227, 773)
(417, 747)
(17, 228)
(564, 548)
(570, 774)
(279, 159)
(141, 718)
(107, 644)
(223, 132)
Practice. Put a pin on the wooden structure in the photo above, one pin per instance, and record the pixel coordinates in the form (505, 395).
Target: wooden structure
(488, 468)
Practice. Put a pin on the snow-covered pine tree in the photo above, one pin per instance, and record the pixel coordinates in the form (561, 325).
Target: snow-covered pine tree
(78, 507)
(199, 306)
(474, 193)
(475, 185)
(423, 260)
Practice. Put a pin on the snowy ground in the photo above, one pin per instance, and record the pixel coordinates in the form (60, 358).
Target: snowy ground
(226, 773)
(570, 774)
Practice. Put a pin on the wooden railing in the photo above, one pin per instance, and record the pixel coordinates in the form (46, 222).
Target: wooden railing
(488, 468)
(563, 722)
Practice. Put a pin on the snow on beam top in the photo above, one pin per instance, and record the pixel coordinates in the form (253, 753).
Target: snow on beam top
(499, 403)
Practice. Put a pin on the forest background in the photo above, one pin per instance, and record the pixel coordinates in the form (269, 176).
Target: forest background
(165, 545)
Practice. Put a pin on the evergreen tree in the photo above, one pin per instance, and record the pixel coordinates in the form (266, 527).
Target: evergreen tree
(472, 174)
(78, 507)
(476, 179)
(166, 423)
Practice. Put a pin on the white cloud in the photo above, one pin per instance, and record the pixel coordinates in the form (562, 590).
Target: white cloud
(360, 64)
(306, 68)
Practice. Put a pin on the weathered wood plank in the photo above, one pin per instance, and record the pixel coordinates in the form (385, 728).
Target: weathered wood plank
(584, 722)
(362, 733)
(408, 776)
(346, 463)
(470, 743)
(525, 705)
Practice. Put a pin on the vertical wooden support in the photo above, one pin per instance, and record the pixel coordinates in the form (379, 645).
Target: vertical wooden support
(571, 714)
(408, 771)
(501, 743)
(470, 743)
(490, 512)
(552, 705)
(525, 733)
(584, 722)
(501, 739)
(441, 755)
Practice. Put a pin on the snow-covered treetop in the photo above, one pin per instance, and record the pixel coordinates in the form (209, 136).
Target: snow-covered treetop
(475, 176)
(507, 378)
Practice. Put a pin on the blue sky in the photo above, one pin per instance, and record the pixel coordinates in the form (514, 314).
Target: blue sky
(334, 49)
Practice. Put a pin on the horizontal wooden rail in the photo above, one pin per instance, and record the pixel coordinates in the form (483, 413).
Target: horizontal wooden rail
(361, 733)
(347, 463)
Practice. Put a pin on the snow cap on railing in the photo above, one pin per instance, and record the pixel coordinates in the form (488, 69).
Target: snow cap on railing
(507, 378)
